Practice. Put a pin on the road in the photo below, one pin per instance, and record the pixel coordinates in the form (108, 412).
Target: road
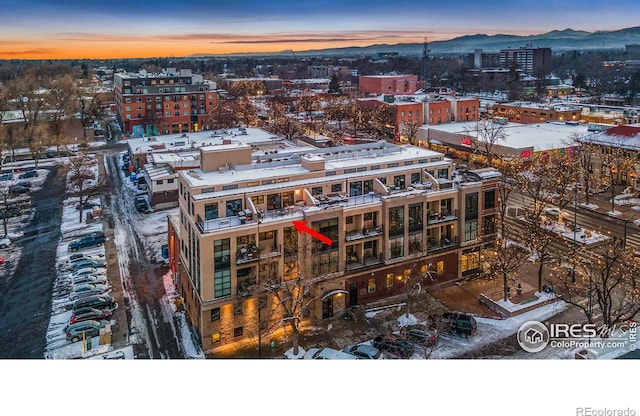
(25, 295)
(149, 316)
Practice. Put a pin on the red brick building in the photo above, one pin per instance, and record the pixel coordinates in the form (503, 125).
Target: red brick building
(388, 84)
(161, 103)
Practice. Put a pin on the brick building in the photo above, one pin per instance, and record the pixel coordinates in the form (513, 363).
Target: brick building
(386, 208)
(388, 84)
(171, 101)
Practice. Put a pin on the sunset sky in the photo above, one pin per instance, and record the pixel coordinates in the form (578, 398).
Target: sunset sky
(48, 29)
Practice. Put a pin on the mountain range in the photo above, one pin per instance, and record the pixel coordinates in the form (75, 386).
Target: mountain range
(557, 40)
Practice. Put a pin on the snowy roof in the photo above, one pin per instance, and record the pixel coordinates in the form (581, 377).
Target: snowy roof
(187, 141)
(542, 136)
(336, 159)
(627, 137)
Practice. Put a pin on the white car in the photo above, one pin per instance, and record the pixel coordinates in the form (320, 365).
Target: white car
(4, 241)
(86, 289)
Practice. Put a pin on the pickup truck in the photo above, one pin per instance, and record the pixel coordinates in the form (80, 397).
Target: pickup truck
(91, 240)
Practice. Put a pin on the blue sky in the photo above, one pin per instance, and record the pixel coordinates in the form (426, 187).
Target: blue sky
(73, 28)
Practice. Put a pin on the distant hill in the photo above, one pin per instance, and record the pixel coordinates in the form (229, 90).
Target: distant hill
(557, 40)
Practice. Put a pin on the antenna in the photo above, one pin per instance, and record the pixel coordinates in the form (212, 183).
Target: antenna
(424, 73)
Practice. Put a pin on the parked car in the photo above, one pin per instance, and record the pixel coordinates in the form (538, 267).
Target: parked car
(89, 314)
(18, 189)
(30, 174)
(140, 203)
(327, 354)
(6, 177)
(88, 205)
(83, 290)
(455, 323)
(90, 240)
(397, 346)
(10, 212)
(92, 279)
(419, 336)
(86, 271)
(97, 301)
(4, 241)
(85, 263)
(364, 351)
(75, 332)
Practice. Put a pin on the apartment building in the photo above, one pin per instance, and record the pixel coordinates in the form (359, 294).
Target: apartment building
(530, 60)
(386, 208)
(171, 101)
(528, 112)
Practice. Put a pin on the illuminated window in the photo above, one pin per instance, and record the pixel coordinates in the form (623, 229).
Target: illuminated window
(440, 267)
(371, 285)
(215, 337)
(389, 280)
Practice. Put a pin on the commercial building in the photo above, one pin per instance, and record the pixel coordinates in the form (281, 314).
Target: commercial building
(171, 101)
(388, 84)
(386, 209)
(520, 141)
(531, 60)
(528, 112)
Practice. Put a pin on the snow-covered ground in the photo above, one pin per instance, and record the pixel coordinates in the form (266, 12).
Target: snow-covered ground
(152, 230)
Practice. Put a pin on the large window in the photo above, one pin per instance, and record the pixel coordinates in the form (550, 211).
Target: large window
(490, 199)
(489, 225)
(274, 201)
(233, 207)
(355, 188)
(398, 181)
(211, 211)
(471, 206)
(470, 230)
(470, 261)
(222, 283)
(396, 221)
(221, 253)
(396, 247)
(415, 217)
(415, 243)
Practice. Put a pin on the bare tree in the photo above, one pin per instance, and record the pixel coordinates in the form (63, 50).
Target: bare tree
(609, 283)
(536, 183)
(489, 133)
(584, 157)
(338, 110)
(83, 181)
(414, 279)
(281, 122)
(508, 256)
(410, 130)
(61, 105)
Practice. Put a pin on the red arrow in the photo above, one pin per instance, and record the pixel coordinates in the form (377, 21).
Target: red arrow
(302, 227)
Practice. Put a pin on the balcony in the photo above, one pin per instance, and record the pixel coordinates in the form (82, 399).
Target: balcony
(441, 217)
(247, 254)
(352, 262)
(364, 233)
(444, 243)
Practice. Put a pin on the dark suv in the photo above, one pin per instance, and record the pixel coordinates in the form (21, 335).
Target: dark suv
(91, 240)
(455, 323)
(94, 301)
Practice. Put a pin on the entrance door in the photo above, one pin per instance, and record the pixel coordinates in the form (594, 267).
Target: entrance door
(353, 294)
(327, 307)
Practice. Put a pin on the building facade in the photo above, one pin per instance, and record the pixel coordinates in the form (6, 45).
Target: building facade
(172, 101)
(531, 60)
(388, 84)
(527, 112)
(384, 207)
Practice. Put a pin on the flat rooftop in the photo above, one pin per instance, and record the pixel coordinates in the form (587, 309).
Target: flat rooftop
(542, 136)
